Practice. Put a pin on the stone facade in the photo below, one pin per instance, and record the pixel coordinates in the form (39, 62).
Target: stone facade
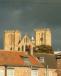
(58, 58)
(43, 36)
(22, 71)
(26, 45)
(11, 39)
(26, 71)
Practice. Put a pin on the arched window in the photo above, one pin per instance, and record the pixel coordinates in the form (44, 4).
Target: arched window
(11, 48)
(18, 48)
(22, 47)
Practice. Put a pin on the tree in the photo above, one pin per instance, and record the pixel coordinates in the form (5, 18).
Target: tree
(43, 49)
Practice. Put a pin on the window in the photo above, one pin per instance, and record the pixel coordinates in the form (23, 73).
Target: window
(27, 48)
(22, 47)
(26, 59)
(11, 48)
(34, 72)
(42, 37)
(1, 72)
(41, 59)
(18, 48)
(10, 72)
(19, 41)
(24, 40)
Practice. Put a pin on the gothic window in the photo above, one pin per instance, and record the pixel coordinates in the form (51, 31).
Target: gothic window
(27, 47)
(19, 41)
(22, 47)
(26, 40)
(11, 48)
(18, 48)
(41, 37)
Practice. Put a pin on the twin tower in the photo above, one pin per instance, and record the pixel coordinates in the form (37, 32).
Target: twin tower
(13, 40)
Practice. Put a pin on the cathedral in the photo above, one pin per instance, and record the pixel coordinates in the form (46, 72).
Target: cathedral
(13, 40)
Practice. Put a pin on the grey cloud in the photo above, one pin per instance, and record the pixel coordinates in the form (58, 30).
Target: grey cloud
(54, 1)
(26, 15)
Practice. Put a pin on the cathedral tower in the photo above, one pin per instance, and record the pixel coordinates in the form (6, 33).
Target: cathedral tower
(11, 39)
(43, 36)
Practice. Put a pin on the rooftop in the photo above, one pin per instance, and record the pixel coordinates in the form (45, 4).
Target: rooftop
(15, 58)
(49, 59)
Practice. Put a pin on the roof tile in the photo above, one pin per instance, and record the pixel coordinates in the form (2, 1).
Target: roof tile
(14, 58)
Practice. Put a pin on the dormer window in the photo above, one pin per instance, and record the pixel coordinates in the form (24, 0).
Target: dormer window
(41, 59)
(26, 59)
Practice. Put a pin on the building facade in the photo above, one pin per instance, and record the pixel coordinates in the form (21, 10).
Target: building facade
(14, 41)
(26, 45)
(14, 63)
(11, 39)
(58, 58)
(43, 36)
(49, 61)
(19, 64)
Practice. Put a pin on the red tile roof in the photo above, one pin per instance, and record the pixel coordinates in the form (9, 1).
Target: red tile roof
(15, 58)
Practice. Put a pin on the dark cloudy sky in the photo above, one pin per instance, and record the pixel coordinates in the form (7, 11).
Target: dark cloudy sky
(26, 15)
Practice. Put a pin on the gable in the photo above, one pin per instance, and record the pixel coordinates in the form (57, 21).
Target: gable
(25, 41)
